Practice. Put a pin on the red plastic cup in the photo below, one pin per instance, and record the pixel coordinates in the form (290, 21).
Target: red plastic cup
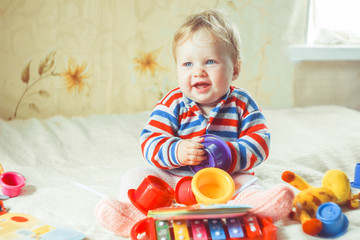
(11, 183)
(152, 193)
(184, 193)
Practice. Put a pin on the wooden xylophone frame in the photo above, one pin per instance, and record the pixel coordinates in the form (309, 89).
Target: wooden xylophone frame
(245, 227)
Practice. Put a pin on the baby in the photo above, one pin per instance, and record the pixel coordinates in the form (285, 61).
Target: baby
(206, 50)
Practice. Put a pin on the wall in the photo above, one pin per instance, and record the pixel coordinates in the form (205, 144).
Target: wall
(82, 57)
(327, 82)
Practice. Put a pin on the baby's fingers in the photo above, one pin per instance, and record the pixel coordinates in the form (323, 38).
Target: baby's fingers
(198, 151)
(198, 139)
(195, 159)
(197, 143)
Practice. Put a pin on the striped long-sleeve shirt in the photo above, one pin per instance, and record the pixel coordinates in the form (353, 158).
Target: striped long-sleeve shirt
(236, 119)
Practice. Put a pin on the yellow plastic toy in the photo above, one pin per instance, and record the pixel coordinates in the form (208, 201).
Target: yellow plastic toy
(335, 188)
(212, 185)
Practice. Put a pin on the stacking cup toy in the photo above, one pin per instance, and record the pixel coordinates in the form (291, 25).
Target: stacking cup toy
(152, 193)
(356, 182)
(184, 193)
(212, 185)
(334, 222)
(217, 152)
(11, 183)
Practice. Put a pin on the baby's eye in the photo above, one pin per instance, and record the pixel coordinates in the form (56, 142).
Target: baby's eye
(210, 62)
(188, 64)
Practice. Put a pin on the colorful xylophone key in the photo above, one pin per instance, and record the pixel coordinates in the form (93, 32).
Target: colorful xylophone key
(216, 229)
(252, 227)
(198, 229)
(247, 227)
(162, 230)
(234, 228)
(180, 230)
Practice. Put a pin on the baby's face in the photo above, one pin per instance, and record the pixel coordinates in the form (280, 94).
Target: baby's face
(204, 68)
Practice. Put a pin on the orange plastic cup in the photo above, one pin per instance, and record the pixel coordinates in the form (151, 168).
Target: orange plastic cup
(212, 185)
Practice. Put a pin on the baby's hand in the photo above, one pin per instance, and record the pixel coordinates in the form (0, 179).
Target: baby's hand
(191, 151)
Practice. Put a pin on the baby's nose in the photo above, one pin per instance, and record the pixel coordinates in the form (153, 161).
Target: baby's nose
(199, 72)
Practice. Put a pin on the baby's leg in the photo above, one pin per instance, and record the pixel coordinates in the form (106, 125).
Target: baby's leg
(241, 180)
(275, 202)
(120, 215)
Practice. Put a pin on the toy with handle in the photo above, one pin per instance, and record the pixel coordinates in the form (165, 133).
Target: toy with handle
(243, 227)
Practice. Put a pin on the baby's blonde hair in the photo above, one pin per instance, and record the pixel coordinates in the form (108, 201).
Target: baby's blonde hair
(217, 24)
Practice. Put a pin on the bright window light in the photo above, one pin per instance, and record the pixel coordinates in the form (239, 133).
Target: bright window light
(334, 22)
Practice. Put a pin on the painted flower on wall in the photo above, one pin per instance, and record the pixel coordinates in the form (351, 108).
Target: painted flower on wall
(147, 63)
(74, 76)
(151, 75)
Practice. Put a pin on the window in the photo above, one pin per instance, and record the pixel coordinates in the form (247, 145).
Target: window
(333, 22)
(333, 32)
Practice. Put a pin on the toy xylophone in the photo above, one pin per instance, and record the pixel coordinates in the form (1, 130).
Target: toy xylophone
(245, 227)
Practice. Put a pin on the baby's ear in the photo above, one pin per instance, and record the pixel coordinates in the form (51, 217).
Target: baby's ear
(237, 67)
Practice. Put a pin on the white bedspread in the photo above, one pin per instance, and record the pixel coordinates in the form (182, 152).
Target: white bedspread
(57, 154)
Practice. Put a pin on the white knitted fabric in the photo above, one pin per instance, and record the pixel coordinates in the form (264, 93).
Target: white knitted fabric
(275, 202)
(117, 216)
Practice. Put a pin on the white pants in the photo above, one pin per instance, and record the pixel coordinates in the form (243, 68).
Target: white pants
(133, 177)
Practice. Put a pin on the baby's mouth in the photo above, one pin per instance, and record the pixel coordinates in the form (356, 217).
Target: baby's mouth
(201, 86)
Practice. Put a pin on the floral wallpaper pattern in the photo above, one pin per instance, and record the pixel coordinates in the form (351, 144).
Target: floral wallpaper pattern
(82, 57)
(74, 76)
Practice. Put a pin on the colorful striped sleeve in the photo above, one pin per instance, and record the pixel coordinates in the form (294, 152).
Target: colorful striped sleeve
(251, 148)
(158, 141)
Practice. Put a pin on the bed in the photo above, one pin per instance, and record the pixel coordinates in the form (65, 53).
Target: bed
(71, 163)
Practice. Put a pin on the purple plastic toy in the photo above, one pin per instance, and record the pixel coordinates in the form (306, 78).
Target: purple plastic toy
(217, 152)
